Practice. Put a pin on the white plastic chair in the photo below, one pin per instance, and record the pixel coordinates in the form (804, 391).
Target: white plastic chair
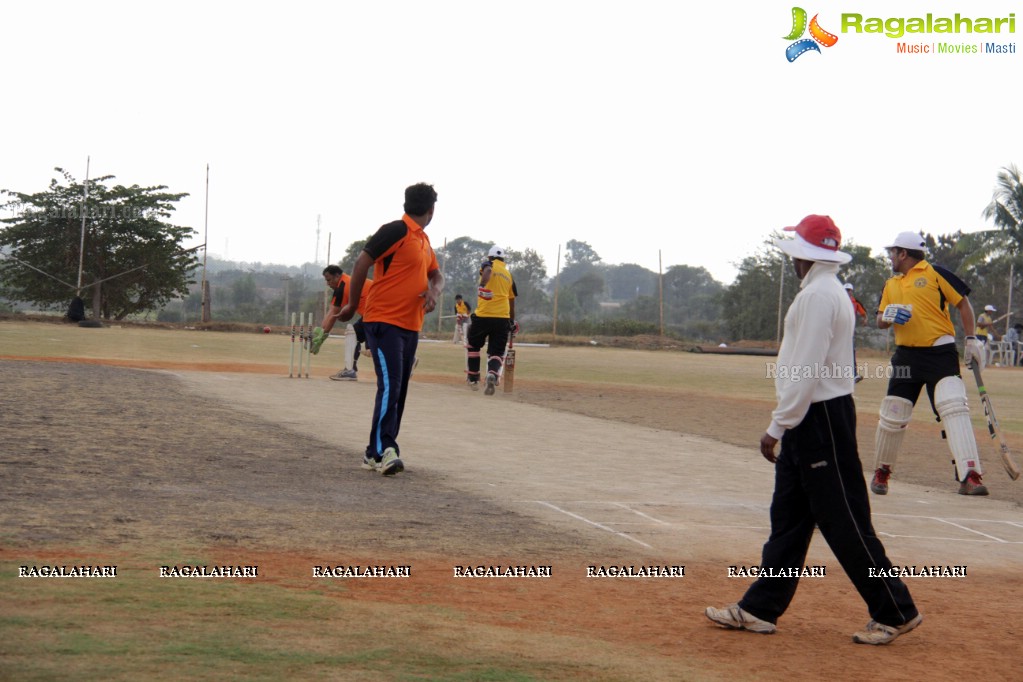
(999, 352)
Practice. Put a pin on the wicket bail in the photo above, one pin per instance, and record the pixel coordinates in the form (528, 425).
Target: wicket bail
(305, 340)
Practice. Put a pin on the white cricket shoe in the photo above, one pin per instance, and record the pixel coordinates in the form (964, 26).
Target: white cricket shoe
(879, 633)
(390, 463)
(736, 619)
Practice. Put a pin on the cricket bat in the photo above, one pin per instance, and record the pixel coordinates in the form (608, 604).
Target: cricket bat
(1011, 467)
(509, 366)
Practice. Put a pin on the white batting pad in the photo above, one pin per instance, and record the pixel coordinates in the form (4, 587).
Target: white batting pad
(891, 429)
(950, 402)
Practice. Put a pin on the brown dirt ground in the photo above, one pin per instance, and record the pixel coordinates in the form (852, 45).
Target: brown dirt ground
(196, 472)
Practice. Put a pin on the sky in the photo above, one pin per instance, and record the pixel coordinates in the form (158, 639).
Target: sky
(660, 132)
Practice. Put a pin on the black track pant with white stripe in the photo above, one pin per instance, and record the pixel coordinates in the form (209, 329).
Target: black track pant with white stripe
(819, 482)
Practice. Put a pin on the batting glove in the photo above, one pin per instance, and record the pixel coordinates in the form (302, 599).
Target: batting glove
(318, 338)
(513, 327)
(486, 294)
(974, 352)
(896, 313)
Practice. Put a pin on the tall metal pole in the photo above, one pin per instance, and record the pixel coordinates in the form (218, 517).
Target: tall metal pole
(287, 297)
(316, 260)
(557, 278)
(660, 289)
(81, 244)
(781, 297)
(1008, 308)
(326, 298)
(205, 316)
(440, 301)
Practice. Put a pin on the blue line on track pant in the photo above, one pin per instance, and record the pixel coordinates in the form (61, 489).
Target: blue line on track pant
(819, 482)
(394, 353)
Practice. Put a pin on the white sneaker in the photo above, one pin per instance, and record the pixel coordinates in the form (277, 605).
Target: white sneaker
(736, 619)
(370, 464)
(879, 633)
(491, 384)
(390, 463)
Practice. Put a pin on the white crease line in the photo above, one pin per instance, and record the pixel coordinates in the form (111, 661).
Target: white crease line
(964, 519)
(672, 504)
(645, 516)
(594, 523)
(1005, 521)
(967, 528)
(937, 538)
(957, 525)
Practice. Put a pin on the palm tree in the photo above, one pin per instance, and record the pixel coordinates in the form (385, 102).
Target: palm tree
(1006, 207)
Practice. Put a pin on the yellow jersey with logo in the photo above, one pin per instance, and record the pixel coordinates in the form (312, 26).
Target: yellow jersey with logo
(931, 290)
(502, 287)
(461, 308)
(983, 324)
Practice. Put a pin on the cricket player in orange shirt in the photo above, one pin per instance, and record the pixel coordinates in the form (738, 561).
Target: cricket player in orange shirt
(407, 283)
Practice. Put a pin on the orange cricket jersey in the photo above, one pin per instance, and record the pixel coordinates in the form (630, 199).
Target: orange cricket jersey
(402, 261)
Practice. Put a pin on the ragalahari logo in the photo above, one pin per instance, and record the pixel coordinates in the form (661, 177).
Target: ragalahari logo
(817, 35)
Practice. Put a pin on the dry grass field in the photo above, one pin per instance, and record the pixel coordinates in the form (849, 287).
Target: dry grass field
(217, 458)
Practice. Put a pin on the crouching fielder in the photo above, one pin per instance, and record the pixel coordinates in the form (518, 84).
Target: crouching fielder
(917, 302)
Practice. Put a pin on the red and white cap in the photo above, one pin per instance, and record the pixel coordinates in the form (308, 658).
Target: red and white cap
(817, 239)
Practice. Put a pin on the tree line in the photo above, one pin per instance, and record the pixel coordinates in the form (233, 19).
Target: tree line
(133, 266)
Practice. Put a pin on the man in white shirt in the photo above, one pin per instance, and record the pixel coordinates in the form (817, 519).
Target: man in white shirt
(819, 479)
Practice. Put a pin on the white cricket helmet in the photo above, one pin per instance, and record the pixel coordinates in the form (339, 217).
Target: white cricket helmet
(496, 252)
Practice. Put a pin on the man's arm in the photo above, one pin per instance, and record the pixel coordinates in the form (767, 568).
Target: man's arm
(432, 293)
(966, 313)
(482, 292)
(358, 280)
(973, 352)
(881, 304)
(330, 318)
(805, 346)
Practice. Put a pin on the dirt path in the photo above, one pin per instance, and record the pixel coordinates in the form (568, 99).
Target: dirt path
(267, 468)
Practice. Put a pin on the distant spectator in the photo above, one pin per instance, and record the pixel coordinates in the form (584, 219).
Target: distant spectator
(1013, 338)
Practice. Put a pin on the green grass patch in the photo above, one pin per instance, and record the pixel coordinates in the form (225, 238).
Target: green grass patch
(139, 626)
